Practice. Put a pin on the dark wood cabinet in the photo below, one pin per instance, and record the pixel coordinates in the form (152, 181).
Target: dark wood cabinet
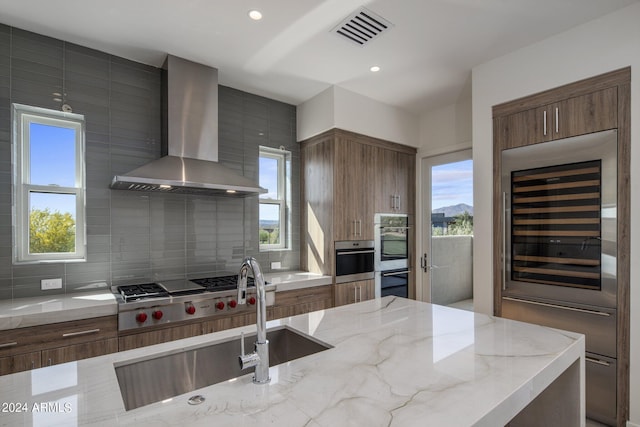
(578, 115)
(23, 349)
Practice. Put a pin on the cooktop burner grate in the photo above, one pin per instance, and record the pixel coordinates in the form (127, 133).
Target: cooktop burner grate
(223, 283)
(144, 290)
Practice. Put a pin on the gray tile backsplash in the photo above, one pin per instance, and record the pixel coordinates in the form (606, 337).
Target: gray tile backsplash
(136, 236)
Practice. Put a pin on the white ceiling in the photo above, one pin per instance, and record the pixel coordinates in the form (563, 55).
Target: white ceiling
(291, 55)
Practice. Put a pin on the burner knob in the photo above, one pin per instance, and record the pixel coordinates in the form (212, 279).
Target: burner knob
(220, 305)
(190, 309)
(233, 303)
(157, 314)
(252, 300)
(141, 317)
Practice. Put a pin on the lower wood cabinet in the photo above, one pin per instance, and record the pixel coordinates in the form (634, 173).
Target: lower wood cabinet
(300, 301)
(352, 292)
(23, 349)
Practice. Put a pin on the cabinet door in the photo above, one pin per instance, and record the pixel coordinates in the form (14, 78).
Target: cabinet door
(352, 292)
(406, 183)
(367, 290)
(353, 184)
(79, 351)
(386, 180)
(20, 362)
(345, 293)
(589, 113)
(520, 129)
(300, 301)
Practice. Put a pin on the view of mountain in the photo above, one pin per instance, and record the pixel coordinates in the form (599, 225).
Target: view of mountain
(454, 210)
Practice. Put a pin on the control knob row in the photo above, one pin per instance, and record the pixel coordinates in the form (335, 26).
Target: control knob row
(142, 317)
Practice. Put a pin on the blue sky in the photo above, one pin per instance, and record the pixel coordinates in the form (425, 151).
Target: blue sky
(268, 170)
(52, 159)
(452, 183)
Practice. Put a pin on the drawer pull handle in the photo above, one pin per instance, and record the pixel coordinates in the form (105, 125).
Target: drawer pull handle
(597, 361)
(75, 334)
(9, 344)
(562, 307)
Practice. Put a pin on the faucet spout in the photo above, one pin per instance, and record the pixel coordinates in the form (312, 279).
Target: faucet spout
(259, 358)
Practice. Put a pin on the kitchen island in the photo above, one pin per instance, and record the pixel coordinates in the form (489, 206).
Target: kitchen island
(394, 362)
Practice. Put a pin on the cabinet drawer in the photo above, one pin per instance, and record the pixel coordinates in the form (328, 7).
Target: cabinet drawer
(599, 327)
(601, 388)
(74, 352)
(300, 296)
(22, 340)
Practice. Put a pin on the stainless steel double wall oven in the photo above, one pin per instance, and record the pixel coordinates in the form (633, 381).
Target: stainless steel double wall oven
(391, 237)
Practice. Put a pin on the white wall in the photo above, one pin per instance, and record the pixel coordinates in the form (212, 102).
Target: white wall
(446, 129)
(340, 108)
(605, 44)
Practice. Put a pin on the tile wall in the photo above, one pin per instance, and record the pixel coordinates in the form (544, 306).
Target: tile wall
(136, 236)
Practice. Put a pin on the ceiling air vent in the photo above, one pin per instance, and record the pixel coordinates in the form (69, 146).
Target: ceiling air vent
(362, 26)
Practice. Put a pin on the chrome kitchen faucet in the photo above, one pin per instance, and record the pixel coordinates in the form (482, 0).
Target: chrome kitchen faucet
(259, 358)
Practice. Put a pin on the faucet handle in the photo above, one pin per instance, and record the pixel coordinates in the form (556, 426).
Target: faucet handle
(247, 360)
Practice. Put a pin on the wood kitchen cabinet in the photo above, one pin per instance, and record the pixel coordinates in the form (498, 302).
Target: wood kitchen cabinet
(394, 181)
(346, 179)
(33, 347)
(354, 192)
(578, 115)
(301, 301)
(352, 292)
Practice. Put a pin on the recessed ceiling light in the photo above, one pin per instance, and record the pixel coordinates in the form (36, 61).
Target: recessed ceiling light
(231, 191)
(374, 69)
(256, 15)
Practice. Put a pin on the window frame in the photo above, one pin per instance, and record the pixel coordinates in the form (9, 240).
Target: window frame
(283, 157)
(22, 117)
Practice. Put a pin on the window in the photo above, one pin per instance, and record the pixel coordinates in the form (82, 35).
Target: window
(274, 166)
(49, 185)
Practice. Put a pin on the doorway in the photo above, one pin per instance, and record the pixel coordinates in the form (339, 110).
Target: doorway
(447, 230)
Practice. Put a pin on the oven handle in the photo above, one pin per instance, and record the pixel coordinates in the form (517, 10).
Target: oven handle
(562, 307)
(396, 273)
(338, 253)
(383, 227)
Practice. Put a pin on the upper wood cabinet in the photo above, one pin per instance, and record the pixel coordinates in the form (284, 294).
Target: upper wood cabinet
(395, 181)
(354, 190)
(346, 179)
(578, 115)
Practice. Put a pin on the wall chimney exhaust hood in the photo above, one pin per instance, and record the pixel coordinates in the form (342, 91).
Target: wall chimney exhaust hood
(189, 139)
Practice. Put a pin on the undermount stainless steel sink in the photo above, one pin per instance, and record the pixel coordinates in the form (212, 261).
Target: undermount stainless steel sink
(159, 378)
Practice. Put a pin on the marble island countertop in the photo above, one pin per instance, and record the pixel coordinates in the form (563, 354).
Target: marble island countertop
(394, 362)
(55, 308)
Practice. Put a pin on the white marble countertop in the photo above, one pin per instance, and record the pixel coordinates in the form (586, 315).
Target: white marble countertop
(25, 312)
(395, 362)
(290, 280)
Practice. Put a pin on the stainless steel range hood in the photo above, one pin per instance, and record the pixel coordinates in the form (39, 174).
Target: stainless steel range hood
(189, 139)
